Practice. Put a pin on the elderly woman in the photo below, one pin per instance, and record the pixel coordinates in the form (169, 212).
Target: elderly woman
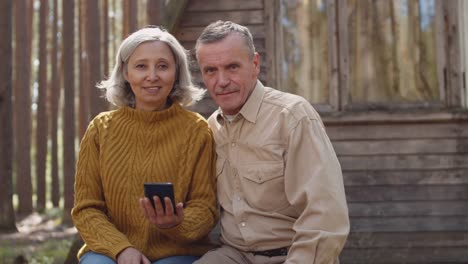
(149, 138)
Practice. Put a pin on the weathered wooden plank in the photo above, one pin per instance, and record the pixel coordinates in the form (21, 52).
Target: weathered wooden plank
(258, 42)
(405, 177)
(174, 10)
(404, 162)
(344, 57)
(333, 58)
(408, 209)
(202, 19)
(392, 117)
(440, 48)
(404, 255)
(406, 193)
(402, 146)
(273, 30)
(454, 70)
(220, 5)
(406, 239)
(409, 224)
(192, 33)
(398, 131)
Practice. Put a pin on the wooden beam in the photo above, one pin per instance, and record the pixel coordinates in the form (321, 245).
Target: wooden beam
(406, 177)
(343, 53)
(409, 224)
(407, 240)
(174, 11)
(381, 117)
(440, 49)
(245, 18)
(397, 255)
(217, 5)
(454, 72)
(270, 40)
(408, 209)
(395, 193)
(404, 162)
(333, 55)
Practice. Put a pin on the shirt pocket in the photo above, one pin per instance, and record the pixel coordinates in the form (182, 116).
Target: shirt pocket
(263, 185)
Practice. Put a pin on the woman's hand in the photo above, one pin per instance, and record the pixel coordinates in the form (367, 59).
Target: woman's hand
(157, 215)
(131, 256)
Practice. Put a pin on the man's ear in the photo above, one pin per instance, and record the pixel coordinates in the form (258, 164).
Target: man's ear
(256, 62)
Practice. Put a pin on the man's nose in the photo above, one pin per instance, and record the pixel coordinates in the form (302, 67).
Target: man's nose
(223, 80)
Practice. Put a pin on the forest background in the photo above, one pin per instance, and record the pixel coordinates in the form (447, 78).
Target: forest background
(54, 53)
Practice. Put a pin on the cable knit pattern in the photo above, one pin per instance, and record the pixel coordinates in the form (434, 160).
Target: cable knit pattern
(125, 148)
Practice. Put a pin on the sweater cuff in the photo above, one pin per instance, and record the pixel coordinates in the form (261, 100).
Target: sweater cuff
(115, 250)
(171, 232)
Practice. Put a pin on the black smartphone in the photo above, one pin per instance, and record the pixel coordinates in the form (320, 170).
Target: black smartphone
(160, 189)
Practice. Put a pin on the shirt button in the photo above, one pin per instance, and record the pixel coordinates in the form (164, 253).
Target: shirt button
(243, 224)
(238, 198)
(233, 144)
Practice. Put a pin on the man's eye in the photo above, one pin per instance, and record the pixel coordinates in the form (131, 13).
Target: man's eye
(209, 71)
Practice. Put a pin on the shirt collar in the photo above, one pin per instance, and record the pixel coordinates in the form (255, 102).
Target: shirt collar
(251, 107)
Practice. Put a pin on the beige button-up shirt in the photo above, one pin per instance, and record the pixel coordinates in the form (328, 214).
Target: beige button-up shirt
(279, 180)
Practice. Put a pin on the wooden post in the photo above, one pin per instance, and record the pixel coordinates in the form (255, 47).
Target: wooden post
(454, 74)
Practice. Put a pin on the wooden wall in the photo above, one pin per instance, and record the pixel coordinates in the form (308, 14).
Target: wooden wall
(406, 176)
(406, 181)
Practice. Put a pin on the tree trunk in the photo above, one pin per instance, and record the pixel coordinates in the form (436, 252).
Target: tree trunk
(130, 22)
(41, 127)
(68, 62)
(7, 214)
(22, 107)
(84, 72)
(105, 37)
(54, 102)
(93, 50)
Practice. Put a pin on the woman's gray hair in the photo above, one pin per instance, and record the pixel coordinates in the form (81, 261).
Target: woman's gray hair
(118, 90)
(219, 30)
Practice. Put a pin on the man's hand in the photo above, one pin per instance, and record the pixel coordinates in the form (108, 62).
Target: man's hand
(131, 256)
(158, 217)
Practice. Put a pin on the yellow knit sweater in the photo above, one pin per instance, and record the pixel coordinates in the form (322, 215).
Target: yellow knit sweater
(125, 148)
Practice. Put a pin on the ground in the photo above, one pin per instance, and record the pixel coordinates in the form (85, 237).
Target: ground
(41, 239)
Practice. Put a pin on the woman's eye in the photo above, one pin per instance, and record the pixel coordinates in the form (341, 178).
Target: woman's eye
(140, 66)
(162, 66)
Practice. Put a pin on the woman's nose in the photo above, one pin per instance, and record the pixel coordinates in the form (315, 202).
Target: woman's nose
(153, 75)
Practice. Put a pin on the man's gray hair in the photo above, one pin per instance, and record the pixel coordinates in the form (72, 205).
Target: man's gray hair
(118, 90)
(219, 30)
